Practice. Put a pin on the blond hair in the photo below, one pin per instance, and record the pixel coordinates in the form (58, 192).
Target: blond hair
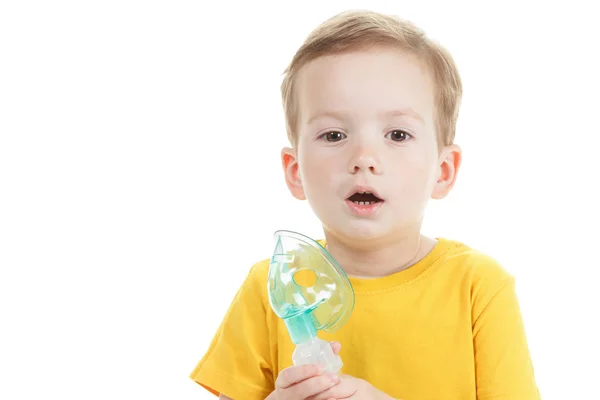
(358, 30)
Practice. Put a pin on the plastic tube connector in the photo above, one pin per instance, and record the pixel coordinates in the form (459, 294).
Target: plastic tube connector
(317, 351)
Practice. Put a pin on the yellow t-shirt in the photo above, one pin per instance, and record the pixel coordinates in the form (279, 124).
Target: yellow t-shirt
(449, 327)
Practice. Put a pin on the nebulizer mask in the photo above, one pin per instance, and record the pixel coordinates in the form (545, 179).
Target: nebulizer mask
(310, 291)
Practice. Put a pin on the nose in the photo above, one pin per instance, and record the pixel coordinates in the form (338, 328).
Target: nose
(365, 160)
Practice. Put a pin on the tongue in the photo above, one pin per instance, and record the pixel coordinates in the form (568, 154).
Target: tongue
(363, 197)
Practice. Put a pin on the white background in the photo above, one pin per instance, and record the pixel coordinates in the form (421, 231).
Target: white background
(140, 178)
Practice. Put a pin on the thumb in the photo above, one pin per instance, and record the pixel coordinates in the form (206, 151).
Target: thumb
(336, 347)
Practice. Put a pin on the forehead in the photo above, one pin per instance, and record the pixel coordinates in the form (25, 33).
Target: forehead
(365, 83)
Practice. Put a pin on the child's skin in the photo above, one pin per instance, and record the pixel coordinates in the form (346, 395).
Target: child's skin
(396, 155)
(366, 120)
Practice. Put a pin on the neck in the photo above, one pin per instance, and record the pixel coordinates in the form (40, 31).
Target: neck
(371, 260)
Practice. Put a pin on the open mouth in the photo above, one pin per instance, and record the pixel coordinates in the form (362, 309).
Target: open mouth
(364, 198)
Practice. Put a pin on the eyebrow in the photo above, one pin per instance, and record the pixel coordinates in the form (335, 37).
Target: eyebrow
(405, 112)
(340, 115)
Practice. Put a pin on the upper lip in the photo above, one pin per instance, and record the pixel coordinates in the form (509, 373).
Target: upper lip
(363, 189)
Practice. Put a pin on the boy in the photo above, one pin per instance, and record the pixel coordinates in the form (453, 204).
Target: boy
(371, 106)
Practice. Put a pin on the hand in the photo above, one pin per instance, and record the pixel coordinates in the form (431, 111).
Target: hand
(349, 387)
(353, 388)
(303, 381)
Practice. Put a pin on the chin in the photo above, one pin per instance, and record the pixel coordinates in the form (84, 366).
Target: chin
(359, 233)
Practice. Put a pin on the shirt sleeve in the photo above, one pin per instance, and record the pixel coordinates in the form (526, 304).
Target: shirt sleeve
(237, 362)
(503, 365)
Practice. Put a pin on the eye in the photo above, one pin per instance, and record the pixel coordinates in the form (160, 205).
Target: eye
(398, 135)
(333, 136)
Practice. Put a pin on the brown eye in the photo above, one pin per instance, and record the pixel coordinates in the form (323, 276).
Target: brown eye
(333, 136)
(399, 136)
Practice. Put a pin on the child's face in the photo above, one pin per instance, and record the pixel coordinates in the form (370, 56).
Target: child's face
(367, 123)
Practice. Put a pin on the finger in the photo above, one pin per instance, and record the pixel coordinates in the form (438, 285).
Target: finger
(336, 347)
(296, 374)
(344, 389)
(312, 386)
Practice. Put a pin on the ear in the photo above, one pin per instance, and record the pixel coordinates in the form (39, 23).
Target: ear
(289, 162)
(450, 160)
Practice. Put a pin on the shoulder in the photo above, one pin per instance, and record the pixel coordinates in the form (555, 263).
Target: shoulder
(254, 283)
(259, 272)
(475, 264)
(482, 273)
(253, 290)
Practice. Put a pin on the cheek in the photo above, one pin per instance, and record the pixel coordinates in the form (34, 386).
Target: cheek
(317, 171)
(417, 176)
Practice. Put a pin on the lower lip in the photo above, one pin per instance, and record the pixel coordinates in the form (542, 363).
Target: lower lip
(365, 210)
